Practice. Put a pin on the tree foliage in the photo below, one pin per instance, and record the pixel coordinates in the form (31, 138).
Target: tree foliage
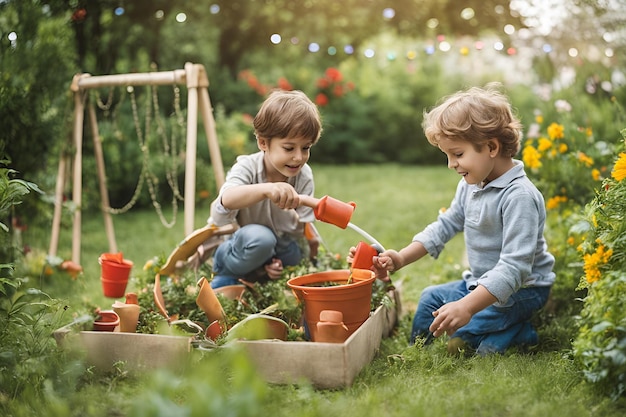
(35, 72)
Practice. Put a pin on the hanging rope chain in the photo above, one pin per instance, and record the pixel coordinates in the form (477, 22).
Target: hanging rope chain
(106, 107)
(170, 149)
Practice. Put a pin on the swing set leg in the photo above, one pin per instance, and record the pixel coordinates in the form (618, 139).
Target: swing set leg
(104, 194)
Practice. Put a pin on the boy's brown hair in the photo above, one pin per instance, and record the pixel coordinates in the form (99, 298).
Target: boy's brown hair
(475, 115)
(288, 114)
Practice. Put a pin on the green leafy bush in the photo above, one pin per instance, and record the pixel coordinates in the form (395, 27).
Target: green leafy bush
(27, 315)
(568, 163)
(12, 191)
(600, 347)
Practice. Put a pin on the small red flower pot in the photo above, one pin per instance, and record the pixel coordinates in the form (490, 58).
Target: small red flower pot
(115, 270)
(113, 288)
(106, 321)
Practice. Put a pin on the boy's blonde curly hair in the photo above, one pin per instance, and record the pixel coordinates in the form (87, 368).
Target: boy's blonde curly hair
(475, 115)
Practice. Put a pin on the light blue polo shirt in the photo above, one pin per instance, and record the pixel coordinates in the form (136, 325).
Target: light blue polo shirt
(503, 224)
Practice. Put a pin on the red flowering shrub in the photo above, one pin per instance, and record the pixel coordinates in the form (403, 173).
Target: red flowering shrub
(331, 85)
(263, 89)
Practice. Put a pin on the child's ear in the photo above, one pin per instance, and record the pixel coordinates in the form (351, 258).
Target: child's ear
(262, 143)
(494, 147)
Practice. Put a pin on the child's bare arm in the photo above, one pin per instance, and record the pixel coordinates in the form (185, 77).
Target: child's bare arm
(392, 260)
(280, 193)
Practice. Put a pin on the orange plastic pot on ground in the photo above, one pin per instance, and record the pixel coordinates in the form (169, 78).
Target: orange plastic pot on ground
(114, 274)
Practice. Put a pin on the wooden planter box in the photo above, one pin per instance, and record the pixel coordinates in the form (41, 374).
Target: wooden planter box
(325, 365)
(138, 351)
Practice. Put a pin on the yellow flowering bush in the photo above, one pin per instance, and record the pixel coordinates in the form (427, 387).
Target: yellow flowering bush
(600, 347)
(566, 161)
(594, 262)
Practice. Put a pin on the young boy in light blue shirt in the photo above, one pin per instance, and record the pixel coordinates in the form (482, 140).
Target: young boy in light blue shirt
(502, 215)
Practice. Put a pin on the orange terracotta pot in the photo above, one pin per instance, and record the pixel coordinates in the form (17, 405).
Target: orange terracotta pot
(214, 330)
(129, 316)
(106, 321)
(232, 292)
(112, 288)
(363, 256)
(115, 271)
(333, 211)
(329, 290)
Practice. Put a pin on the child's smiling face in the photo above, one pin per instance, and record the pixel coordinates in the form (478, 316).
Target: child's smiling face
(475, 166)
(284, 157)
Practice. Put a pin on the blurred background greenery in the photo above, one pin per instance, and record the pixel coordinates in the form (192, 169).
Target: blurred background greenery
(372, 66)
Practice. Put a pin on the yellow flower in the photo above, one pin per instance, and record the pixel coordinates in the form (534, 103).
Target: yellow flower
(531, 157)
(594, 261)
(555, 201)
(544, 144)
(619, 169)
(571, 240)
(582, 157)
(555, 131)
(595, 174)
(588, 132)
(563, 147)
(539, 119)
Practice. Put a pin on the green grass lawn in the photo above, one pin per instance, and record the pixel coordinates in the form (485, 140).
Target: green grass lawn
(393, 203)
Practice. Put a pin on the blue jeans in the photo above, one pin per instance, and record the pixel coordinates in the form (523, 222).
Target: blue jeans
(491, 330)
(248, 249)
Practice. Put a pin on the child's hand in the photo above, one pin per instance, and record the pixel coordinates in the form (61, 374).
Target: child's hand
(381, 272)
(389, 260)
(284, 195)
(449, 318)
(274, 269)
(351, 253)
(307, 200)
(452, 316)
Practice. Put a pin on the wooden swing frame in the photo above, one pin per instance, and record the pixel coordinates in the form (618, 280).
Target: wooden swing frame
(194, 77)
